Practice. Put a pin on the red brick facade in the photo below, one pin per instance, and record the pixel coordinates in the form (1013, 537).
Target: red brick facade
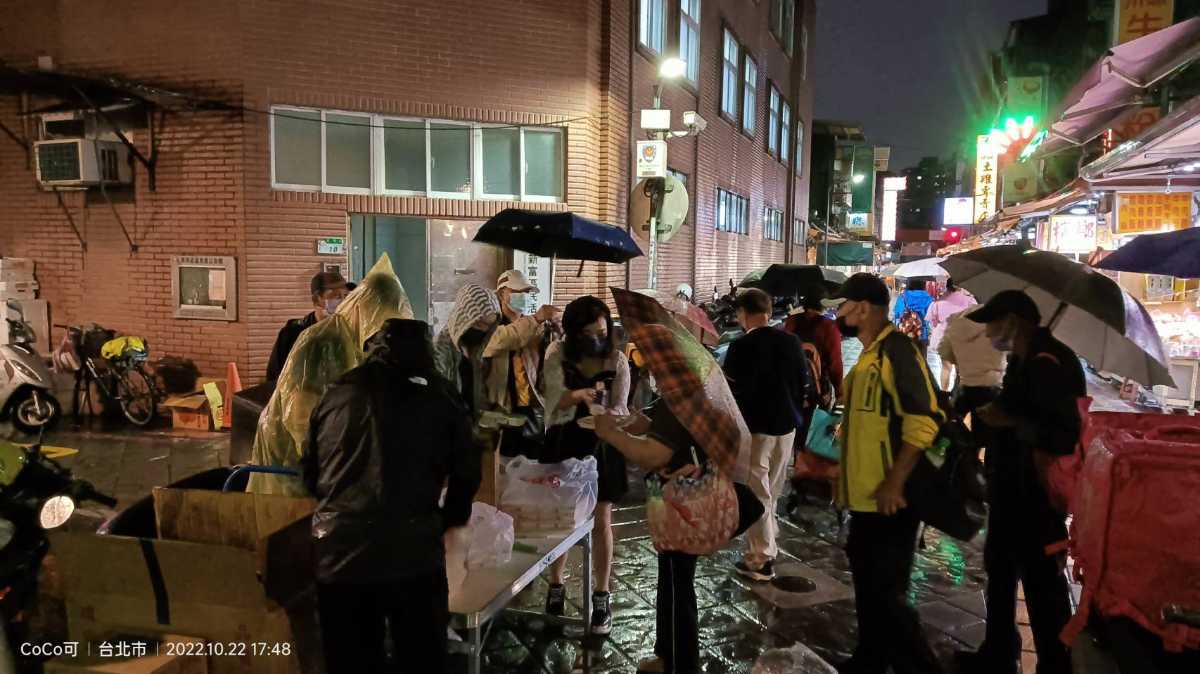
(535, 62)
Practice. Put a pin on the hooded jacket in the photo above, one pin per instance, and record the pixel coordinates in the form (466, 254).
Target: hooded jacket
(918, 301)
(383, 440)
(324, 352)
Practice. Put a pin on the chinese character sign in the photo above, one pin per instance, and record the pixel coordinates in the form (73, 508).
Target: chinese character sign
(985, 177)
(1140, 213)
(540, 273)
(1072, 233)
(1138, 18)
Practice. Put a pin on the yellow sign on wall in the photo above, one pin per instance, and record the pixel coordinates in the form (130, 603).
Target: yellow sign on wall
(1138, 18)
(985, 177)
(1139, 213)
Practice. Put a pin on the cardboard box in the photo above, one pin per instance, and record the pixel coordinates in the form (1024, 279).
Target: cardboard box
(189, 411)
(166, 655)
(228, 568)
(17, 264)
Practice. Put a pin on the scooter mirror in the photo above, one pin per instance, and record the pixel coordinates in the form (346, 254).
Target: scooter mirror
(55, 511)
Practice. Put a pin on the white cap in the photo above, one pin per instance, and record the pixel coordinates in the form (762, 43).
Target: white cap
(515, 281)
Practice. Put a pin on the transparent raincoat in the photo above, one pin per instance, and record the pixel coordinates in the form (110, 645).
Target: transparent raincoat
(324, 352)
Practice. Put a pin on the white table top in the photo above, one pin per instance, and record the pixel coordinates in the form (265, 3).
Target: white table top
(486, 592)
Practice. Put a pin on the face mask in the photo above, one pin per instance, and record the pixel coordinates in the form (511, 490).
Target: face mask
(472, 337)
(517, 302)
(1003, 342)
(850, 331)
(593, 346)
(331, 304)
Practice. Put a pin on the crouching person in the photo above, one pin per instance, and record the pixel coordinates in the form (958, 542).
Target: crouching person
(384, 440)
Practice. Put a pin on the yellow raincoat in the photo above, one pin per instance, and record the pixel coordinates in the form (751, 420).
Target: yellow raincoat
(324, 352)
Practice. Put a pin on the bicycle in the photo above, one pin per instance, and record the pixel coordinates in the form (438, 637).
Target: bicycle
(116, 367)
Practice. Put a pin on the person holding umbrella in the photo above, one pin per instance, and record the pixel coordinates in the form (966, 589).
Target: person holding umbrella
(1035, 419)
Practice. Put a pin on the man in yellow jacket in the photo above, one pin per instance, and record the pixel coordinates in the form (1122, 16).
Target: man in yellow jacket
(891, 417)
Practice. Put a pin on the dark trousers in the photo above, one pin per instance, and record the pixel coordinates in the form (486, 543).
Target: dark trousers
(677, 640)
(352, 624)
(881, 551)
(1014, 552)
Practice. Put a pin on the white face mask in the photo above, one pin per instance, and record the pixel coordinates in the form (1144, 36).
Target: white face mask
(518, 302)
(331, 304)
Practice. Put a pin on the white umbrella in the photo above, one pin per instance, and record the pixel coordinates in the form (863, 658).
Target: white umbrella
(930, 266)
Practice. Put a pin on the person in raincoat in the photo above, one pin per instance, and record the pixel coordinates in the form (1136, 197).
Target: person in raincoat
(324, 352)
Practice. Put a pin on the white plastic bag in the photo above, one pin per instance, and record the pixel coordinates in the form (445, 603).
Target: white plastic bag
(547, 497)
(799, 659)
(490, 537)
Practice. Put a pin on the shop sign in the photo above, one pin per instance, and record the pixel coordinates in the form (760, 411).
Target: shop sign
(1020, 182)
(858, 222)
(892, 187)
(985, 177)
(1072, 233)
(1139, 213)
(1026, 95)
(540, 272)
(958, 211)
(651, 158)
(331, 245)
(1138, 18)
(1132, 127)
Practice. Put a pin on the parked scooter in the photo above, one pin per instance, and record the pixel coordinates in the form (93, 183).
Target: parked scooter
(37, 494)
(25, 381)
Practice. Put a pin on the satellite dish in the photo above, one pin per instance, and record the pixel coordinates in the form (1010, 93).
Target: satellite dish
(674, 209)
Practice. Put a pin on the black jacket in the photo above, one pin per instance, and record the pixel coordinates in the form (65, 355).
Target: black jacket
(284, 342)
(769, 377)
(381, 444)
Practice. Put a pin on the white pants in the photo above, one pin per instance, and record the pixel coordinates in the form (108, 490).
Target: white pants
(769, 458)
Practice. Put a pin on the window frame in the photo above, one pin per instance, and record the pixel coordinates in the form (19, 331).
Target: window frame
(381, 169)
(798, 132)
(733, 210)
(340, 189)
(434, 194)
(772, 223)
(734, 116)
(297, 187)
(785, 131)
(663, 32)
(774, 98)
(687, 21)
(787, 44)
(477, 168)
(749, 112)
(562, 157)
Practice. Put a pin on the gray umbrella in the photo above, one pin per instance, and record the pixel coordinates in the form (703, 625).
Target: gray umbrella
(1085, 309)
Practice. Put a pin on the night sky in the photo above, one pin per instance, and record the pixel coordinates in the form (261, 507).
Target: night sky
(907, 70)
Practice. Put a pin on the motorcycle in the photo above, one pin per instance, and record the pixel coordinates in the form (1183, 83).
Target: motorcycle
(25, 381)
(37, 494)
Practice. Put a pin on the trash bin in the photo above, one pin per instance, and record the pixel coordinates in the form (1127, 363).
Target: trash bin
(248, 405)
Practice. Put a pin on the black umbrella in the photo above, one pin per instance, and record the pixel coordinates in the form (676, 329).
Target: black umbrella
(787, 280)
(1170, 254)
(563, 235)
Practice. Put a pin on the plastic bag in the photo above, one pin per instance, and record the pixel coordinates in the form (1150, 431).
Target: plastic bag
(546, 497)
(490, 537)
(799, 659)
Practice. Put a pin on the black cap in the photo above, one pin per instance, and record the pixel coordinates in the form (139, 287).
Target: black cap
(1007, 303)
(862, 287)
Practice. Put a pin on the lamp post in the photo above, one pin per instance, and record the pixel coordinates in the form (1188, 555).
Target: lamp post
(670, 69)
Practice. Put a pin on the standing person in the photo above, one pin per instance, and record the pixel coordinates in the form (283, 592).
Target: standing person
(383, 441)
(520, 350)
(769, 377)
(953, 301)
(1035, 419)
(909, 313)
(891, 417)
(812, 327)
(327, 290)
(965, 346)
(583, 370)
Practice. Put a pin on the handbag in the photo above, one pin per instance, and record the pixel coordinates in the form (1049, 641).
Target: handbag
(950, 497)
(822, 435)
(693, 515)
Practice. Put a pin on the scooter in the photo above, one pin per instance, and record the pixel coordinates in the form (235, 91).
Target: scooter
(25, 381)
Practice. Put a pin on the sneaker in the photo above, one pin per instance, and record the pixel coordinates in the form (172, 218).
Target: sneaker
(556, 600)
(762, 574)
(601, 613)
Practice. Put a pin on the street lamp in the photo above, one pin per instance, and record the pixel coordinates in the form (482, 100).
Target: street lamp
(670, 69)
(858, 178)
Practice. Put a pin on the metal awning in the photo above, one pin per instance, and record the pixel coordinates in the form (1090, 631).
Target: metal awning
(1169, 149)
(1008, 217)
(1114, 86)
(78, 92)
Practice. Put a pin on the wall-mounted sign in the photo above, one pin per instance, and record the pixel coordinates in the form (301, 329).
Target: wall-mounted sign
(858, 222)
(1138, 213)
(331, 245)
(651, 158)
(1138, 18)
(958, 211)
(1072, 233)
(204, 287)
(891, 199)
(896, 183)
(540, 272)
(985, 178)
(1020, 182)
(1026, 95)
(882, 157)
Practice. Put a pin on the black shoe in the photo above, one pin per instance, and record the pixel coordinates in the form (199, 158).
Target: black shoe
(978, 662)
(601, 613)
(762, 574)
(556, 600)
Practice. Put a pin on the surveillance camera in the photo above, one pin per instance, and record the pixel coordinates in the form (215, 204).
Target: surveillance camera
(693, 121)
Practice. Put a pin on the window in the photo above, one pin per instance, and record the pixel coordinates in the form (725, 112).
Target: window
(804, 52)
(651, 31)
(798, 231)
(689, 37)
(331, 151)
(783, 20)
(749, 91)
(733, 212)
(799, 146)
(773, 123)
(729, 77)
(785, 133)
(773, 224)
(296, 147)
(678, 175)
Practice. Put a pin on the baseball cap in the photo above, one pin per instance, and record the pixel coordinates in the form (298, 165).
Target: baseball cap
(326, 280)
(1007, 303)
(861, 287)
(514, 280)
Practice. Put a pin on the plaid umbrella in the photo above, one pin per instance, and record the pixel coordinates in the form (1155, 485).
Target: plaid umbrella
(689, 380)
(693, 317)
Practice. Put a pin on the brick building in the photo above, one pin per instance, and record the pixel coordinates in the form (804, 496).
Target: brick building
(401, 126)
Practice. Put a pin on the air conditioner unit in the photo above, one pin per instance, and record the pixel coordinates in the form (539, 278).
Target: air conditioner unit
(82, 162)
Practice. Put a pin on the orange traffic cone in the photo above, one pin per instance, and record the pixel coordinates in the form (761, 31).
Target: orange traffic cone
(233, 384)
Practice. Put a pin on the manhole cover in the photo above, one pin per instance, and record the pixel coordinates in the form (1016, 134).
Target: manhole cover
(794, 584)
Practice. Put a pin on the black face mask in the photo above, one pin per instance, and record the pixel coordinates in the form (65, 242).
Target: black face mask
(846, 330)
(592, 346)
(472, 337)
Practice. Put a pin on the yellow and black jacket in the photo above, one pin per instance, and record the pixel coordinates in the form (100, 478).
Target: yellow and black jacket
(890, 399)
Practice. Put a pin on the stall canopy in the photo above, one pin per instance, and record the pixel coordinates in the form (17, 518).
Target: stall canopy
(1113, 87)
(845, 254)
(1169, 148)
(1007, 218)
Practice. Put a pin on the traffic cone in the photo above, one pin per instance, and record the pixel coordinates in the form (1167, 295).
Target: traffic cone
(233, 384)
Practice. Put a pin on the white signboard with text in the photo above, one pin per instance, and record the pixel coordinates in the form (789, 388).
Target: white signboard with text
(540, 272)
